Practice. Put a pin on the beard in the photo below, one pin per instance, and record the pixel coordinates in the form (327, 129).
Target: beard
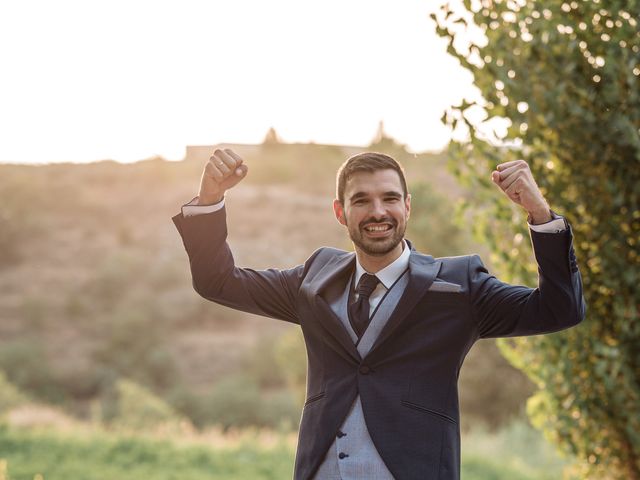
(376, 247)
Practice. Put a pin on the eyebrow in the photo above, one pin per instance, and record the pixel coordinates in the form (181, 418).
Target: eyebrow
(358, 195)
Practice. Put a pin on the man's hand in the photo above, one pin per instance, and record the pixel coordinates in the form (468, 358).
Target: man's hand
(516, 181)
(223, 171)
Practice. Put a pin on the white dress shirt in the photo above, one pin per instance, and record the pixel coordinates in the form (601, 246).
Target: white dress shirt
(387, 276)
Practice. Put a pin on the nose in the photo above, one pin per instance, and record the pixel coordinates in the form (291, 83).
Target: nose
(377, 209)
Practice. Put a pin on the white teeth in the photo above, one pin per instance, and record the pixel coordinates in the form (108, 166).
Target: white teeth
(377, 228)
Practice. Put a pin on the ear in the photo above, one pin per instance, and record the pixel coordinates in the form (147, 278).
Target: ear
(338, 210)
(407, 205)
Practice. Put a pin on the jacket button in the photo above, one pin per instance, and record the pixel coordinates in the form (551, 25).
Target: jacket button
(342, 455)
(340, 434)
(364, 370)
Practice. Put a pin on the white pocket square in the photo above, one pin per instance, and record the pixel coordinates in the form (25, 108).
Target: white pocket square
(445, 287)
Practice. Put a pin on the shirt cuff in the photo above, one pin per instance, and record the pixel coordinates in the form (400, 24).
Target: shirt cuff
(191, 209)
(556, 225)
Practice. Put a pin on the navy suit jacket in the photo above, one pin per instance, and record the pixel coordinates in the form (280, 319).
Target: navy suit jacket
(408, 381)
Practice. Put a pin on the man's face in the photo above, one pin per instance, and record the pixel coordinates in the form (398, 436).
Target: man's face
(375, 211)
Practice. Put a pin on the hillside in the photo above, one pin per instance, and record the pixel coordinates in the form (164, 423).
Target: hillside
(94, 281)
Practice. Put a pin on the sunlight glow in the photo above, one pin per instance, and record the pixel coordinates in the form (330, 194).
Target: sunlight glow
(126, 80)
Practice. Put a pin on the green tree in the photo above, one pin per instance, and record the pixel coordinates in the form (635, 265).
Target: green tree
(564, 78)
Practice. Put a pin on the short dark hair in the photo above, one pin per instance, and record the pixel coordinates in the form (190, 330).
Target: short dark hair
(367, 162)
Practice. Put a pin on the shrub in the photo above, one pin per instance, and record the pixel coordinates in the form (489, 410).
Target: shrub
(10, 396)
(139, 409)
(27, 367)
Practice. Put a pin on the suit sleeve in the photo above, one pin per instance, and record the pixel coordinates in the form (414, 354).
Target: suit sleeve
(270, 293)
(503, 310)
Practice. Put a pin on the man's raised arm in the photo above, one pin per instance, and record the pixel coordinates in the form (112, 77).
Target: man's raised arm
(506, 310)
(202, 226)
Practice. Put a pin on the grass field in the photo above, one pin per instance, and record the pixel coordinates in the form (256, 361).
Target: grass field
(50, 455)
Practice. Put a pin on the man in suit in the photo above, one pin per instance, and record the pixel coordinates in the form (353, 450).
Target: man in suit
(386, 328)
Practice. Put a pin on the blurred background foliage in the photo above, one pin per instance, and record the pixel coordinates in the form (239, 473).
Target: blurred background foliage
(566, 76)
(96, 288)
(101, 328)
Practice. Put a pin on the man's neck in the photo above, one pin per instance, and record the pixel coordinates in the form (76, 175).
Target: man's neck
(375, 263)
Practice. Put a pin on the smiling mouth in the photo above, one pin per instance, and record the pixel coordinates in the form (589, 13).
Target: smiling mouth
(378, 228)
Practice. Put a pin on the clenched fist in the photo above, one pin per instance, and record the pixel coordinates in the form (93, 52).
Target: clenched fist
(223, 171)
(516, 181)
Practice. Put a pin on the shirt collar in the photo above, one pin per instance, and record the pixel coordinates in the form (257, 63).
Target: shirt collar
(389, 274)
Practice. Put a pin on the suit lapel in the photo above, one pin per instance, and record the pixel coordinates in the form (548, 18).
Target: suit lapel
(422, 272)
(331, 280)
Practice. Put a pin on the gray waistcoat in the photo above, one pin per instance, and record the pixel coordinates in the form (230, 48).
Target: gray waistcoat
(363, 460)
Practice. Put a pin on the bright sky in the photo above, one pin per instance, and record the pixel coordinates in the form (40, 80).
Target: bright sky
(126, 80)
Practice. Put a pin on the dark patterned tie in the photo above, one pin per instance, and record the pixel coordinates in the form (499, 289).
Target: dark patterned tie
(359, 310)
